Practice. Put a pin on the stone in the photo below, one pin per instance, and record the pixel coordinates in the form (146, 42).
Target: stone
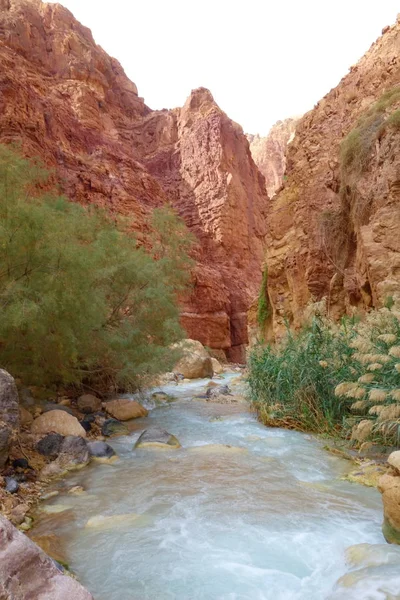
(26, 418)
(12, 485)
(100, 450)
(27, 572)
(389, 486)
(18, 514)
(216, 366)
(157, 438)
(5, 443)
(195, 362)
(9, 402)
(58, 421)
(53, 406)
(124, 409)
(50, 445)
(89, 403)
(394, 460)
(220, 390)
(87, 425)
(74, 451)
(113, 427)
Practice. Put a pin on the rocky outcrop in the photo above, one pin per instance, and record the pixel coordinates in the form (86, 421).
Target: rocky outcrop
(332, 230)
(27, 572)
(269, 153)
(65, 100)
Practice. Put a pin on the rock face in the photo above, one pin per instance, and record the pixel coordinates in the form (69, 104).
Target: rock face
(270, 152)
(65, 100)
(9, 414)
(27, 572)
(333, 229)
(195, 362)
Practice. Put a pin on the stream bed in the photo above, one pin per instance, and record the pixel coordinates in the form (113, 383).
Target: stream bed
(267, 518)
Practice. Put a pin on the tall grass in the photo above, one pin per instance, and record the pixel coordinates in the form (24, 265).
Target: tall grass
(294, 385)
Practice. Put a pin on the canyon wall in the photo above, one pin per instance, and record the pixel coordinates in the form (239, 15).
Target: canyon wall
(66, 101)
(333, 228)
(270, 152)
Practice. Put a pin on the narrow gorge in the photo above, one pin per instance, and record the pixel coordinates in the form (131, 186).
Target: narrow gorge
(200, 342)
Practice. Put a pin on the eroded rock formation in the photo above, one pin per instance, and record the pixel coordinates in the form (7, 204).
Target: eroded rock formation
(270, 152)
(333, 229)
(68, 102)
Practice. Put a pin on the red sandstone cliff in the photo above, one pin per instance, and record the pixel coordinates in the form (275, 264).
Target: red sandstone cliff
(68, 102)
(333, 231)
(269, 153)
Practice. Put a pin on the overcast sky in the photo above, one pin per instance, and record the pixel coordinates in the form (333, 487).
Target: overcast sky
(263, 60)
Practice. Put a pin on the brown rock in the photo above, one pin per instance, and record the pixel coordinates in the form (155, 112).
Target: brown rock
(195, 362)
(26, 417)
(27, 572)
(18, 513)
(124, 409)
(269, 153)
(89, 403)
(394, 460)
(389, 486)
(5, 443)
(58, 421)
(217, 367)
(9, 402)
(51, 544)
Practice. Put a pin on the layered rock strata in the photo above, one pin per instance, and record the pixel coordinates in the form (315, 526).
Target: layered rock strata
(333, 229)
(65, 100)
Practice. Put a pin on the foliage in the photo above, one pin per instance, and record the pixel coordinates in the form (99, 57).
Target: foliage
(293, 384)
(263, 307)
(328, 372)
(80, 301)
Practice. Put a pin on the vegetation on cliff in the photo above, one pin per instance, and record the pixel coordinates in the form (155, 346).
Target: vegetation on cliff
(80, 301)
(330, 377)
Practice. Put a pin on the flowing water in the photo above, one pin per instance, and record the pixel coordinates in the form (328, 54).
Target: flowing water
(266, 518)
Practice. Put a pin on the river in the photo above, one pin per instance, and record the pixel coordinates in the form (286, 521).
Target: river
(267, 518)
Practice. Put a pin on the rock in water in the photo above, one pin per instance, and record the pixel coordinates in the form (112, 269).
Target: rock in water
(195, 362)
(89, 403)
(114, 427)
(58, 421)
(100, 450)
(158, 438)
(217, 367)
(124, 409)
(389, 486)
(27, 572)
(74, 451)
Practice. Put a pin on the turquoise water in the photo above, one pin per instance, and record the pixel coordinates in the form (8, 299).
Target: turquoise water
(267, 519)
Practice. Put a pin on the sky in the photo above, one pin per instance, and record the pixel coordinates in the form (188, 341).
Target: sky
(263, 60)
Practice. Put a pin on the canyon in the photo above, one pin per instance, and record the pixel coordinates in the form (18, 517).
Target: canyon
(65, 101)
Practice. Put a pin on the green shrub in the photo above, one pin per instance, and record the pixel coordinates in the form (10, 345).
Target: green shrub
(293, 385)
(80, 301)
(263, 306)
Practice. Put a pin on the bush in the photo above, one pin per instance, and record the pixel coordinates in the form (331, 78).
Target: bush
(81, 302)
(293, 385)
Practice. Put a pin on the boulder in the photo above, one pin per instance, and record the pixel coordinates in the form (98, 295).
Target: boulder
(124, 409)
(50, 445)
(100, 450)
(217, 367)
(58, 421)
(394, 461)
(158, 438)
(113, 427)
(195, 362)
(5, 443)
(74, 451)
(53, 406)
(389, 486)
(27, 572)
(89, 404)
(9, 403)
